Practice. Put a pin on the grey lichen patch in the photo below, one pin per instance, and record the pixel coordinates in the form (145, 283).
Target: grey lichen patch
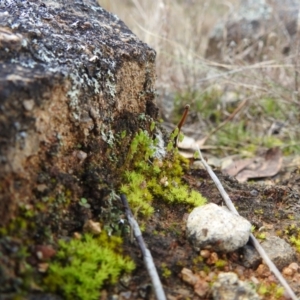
(107, 136)
(78, 40)
(111, 84)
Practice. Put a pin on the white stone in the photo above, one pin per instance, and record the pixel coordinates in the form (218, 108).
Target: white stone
(213, 227)
(228, 286)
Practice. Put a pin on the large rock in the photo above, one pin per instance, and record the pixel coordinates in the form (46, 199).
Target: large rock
(72, 76)
(254, 30)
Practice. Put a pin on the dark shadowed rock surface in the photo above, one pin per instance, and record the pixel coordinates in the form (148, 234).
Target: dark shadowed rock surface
(72, 76)
(250, 257)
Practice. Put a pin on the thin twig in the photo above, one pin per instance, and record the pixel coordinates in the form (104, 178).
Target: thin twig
(148, 260)
(180, 124)
(297, 72)
(256, 244)
(237, 110)
(242, 69)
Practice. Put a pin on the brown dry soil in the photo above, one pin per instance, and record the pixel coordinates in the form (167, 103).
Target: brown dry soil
(274, 207)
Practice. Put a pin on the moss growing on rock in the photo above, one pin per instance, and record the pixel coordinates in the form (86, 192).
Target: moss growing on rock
(147, 176)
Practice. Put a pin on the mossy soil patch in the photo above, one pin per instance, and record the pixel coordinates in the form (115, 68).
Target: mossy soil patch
(274, 210)
(48, 240)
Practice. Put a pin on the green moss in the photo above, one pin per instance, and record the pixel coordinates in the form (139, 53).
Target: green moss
(166, 272)
(279, 292)
(261, 235)
(198, 259)
(83, 266)
(138, 193)
(220, 263)
(293, 233)
(270, 290)
(146, 177)
(296, 242)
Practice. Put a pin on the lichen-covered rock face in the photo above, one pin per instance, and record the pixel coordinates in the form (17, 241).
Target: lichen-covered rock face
(254, 29)
(72, 76)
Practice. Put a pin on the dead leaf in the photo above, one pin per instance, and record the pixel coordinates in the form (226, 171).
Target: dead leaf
(258, 167)
(237, 166)
(187, 143)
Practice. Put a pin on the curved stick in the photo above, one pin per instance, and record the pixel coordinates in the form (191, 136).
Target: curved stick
(148, 260)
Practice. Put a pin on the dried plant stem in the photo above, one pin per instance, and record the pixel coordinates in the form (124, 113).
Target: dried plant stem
(263, 65)
(256, 244)
(296, 63)
(148, 260)
(238, 109)
(180, 124)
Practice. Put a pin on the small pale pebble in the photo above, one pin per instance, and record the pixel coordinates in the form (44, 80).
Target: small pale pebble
(294, 266)
(81, 155)
(263, 271)
(41, 187)
(43, 267)
(240, 270)
(296, 277)
(77, 235)
(229, 286)
(201, 288)
(212, 259)
(272, 279)
(205, 253)
(188, 276)
(287, 271)
(254, 280)
(28, 104)
(170, 297)
(39, 255)
(92, 227)
(202, 274)
(212, 276)
(184, 293)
